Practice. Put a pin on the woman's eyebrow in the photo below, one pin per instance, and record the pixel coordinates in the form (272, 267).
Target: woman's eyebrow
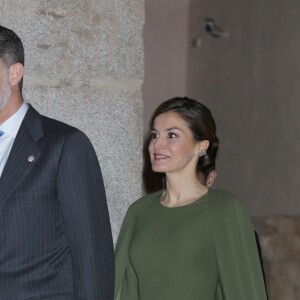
(173, 128)
(168, 129)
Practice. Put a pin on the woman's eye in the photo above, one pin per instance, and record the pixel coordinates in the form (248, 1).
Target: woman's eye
(153, 135)
(172, 135)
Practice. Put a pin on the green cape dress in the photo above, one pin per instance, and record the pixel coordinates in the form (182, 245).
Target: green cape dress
(240, 274)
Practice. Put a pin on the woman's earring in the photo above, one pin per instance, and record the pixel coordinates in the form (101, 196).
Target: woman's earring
(201, 153)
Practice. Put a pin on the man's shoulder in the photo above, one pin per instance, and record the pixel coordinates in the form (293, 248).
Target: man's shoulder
(50, 126)
(53, 132)
(65, 134)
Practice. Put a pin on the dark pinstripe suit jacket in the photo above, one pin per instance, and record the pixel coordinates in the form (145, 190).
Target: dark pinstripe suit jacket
(55, 236)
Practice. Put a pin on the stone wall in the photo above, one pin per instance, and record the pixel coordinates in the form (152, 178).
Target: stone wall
(280, 243)
(84, 66)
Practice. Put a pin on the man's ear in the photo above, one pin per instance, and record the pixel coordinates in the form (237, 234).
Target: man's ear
(211, 178)
(16, 72)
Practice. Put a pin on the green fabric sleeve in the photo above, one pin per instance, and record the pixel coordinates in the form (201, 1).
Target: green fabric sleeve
(129, 283)
(124, 239)
(121, 251)
(238, 260)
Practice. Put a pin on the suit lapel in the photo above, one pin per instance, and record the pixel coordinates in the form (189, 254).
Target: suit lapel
(23, 156)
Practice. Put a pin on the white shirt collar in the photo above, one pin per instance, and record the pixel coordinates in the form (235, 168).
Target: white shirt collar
(12, 124)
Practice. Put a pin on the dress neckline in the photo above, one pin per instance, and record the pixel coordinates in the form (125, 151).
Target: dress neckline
(200, 199)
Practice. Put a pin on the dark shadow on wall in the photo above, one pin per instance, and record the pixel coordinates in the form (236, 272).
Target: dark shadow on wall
(152, 181)
(261, 261)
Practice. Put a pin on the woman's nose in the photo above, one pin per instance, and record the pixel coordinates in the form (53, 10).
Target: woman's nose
(159, 143)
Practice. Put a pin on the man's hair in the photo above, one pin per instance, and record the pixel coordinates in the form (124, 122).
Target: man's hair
(11, 49)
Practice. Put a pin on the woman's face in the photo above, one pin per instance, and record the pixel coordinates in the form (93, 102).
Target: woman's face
(172, 147)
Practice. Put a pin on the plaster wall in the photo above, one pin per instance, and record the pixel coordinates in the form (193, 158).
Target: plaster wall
(166, 38)
(250, 80)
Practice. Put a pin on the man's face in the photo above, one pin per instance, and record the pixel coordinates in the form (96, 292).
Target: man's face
(5, 88)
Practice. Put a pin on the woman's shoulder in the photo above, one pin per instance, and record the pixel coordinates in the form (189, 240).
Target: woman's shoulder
(144, 201)
(135, 211)
(225, 205)
(222, 199)
(223, 195)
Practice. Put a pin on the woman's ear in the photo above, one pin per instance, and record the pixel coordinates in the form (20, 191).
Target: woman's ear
(211, 178)
(202, 146)
(16, 72)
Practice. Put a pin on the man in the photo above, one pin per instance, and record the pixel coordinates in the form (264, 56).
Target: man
(55, 236)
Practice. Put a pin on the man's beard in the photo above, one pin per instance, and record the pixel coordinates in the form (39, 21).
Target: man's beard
(5, 91)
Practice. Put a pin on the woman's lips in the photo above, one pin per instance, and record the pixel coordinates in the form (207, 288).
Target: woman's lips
(159, 156)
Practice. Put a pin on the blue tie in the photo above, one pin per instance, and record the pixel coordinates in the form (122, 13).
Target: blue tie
(1, 133)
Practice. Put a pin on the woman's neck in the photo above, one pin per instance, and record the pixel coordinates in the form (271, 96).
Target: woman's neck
(182, 190)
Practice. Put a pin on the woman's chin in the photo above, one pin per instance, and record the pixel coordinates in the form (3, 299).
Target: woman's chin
(158, 169)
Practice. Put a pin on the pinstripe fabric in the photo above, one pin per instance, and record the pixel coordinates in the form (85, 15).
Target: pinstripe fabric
(55, 237)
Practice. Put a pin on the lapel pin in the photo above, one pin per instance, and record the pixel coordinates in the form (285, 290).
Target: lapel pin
(31, 158)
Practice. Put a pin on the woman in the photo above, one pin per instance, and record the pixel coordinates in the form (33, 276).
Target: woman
(186, 242)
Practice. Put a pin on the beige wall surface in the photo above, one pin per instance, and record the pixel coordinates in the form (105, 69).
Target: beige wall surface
(166, 38)
(250, 80)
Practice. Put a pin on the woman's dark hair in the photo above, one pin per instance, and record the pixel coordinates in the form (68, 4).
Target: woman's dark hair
(206, 169)
(200, 121)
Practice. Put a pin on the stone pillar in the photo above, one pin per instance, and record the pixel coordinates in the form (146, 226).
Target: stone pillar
(280, 243)
(84, 66)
